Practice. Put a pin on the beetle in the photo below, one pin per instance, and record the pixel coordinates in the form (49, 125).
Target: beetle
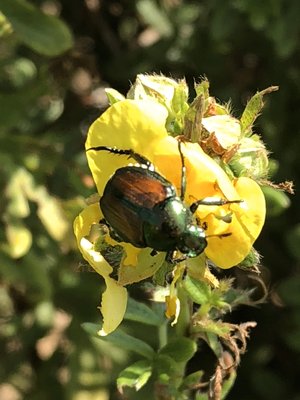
(142, 207)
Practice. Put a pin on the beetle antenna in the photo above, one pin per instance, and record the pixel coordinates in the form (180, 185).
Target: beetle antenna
(127, 152)
(183, 172)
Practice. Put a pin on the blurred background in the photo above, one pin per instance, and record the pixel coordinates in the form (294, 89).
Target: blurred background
(56, 58)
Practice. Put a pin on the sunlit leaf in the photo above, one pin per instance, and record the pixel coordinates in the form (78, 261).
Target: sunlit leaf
(136, 375)
(276, 201)
(155, 16)
(121, 339)
(181, 349)
(45, 34)
(139, 312)
(165, 367)
(51, 214)
(19, 239)
(200, 292)
(253, 109)
(192, 379)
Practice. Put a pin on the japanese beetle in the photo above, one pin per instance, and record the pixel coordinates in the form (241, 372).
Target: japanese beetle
(142, 207)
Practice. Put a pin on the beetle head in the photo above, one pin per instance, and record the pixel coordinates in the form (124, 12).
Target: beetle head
(193, 241)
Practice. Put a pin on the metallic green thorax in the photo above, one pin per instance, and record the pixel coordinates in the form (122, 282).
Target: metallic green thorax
(174, 227)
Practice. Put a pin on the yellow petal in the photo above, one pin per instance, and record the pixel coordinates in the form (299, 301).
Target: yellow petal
(172, 308)
(128, 124)
(203, 169)
(172, 300)
(247, 221)
(146, 266)
(82, 226)
(255, 206)
(205, 178)
(114, 299)
(130, 258)
(113, 306)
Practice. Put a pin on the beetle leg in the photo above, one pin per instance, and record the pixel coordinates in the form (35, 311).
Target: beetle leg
(179, 259)
(183, 173)
(136, 156)
(170, 257)
(211, 202)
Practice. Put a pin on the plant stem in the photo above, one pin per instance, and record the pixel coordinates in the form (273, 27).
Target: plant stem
(163, 334)
(184, 318)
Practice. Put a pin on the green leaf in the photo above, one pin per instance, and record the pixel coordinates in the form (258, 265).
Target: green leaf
(200, 292)
(253, 109)
(191, 380)
(277, 201)
(180, 98)
(18, 205)
(202, 88)
(51, 214)
(181, 350)
(113, 96)
(218, 328)
(214, 343)
(19, 239)
(17, 105)
(228, 384)
(136, 375)
(159, 278)
(121, 339)
(5, 26)
(155, 16)
(50, 211)
(139, 312)
(166, 367)
(251, 262)
(45, 34)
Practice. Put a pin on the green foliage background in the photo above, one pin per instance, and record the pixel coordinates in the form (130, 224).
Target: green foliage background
(54, 66)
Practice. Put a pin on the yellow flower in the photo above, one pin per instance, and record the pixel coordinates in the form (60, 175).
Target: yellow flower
(114, 299)
(140, 125)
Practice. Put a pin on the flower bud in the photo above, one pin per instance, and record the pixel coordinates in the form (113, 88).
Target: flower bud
(168, 92)
(251, 159)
